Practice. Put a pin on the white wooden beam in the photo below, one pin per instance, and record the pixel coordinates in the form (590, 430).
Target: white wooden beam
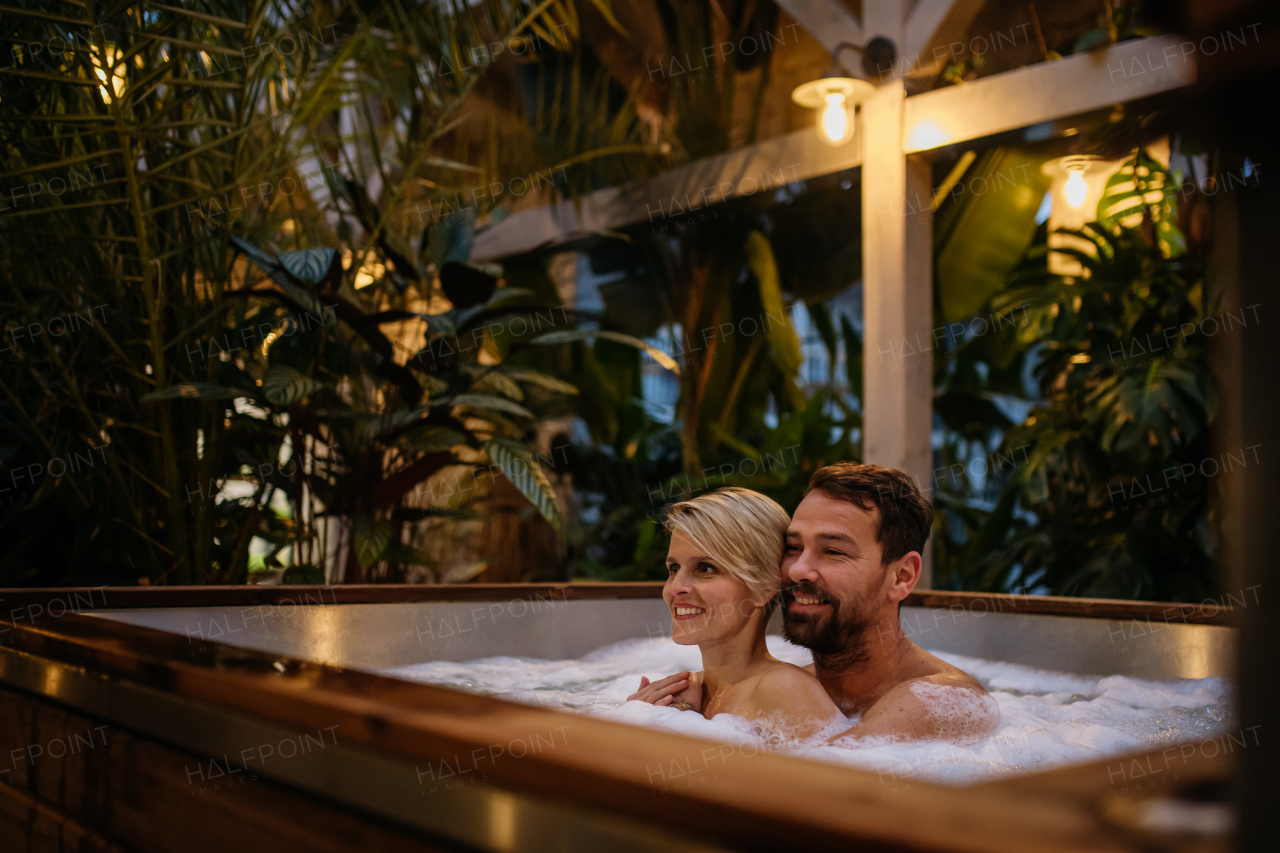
(1002, 102)
(682, 192)
(884, 18)
(935, 23)
(830, 23)
(897, 299)
(1046, 92)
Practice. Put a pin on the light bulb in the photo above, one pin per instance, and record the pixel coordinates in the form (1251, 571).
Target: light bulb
(1076, 188)
(834, 122)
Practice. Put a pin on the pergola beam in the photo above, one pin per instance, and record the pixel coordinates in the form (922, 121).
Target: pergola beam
(893, 139)
(830, 23)
(666, 197)
(1044, 92)
(935, 23)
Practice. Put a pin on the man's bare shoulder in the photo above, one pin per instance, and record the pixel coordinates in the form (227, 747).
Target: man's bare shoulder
(950, 706)
(932, 669)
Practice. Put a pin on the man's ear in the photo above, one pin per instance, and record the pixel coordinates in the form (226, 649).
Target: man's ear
(904, 575)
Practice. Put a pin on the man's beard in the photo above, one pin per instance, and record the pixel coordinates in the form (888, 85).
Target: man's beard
(837, 639)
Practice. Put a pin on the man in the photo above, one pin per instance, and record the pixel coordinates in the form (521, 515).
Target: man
(852, 555)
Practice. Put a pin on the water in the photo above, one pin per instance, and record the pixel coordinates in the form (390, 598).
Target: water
(1047, 718)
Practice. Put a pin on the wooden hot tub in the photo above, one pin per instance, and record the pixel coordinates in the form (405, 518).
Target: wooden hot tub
(248, 719)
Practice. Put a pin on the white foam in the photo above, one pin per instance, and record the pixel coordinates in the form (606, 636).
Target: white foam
(1046, 718)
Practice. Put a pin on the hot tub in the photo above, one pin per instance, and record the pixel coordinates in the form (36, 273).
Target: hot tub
(261, 693)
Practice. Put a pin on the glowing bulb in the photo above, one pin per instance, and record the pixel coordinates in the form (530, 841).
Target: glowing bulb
(1076, 188)
(834, 122)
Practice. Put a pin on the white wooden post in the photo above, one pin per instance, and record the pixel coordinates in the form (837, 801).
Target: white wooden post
(897, 298)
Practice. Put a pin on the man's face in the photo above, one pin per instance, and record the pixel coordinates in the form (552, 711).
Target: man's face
(833, 579)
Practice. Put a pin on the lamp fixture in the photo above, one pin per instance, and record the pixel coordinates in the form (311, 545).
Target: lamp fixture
(1077, 183)
(1075, 190)
(836, 96)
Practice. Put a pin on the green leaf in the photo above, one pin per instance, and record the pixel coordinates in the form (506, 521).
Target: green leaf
(572, 335)
(195, 391)
(852, 356)
(987, 219)
(517, 463)
(485, 401)
(371, 539)
(310, 265)
(450, 240)
(283, 385)
(398, 552)
(430, 439)
(497, 382)
(310, 575)
(281, 276)
(534, 377)
(503, 297)
(782, 338)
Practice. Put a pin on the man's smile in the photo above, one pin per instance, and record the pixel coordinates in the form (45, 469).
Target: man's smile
(805, 601)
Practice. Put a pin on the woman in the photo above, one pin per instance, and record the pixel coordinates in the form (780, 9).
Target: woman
(723, 581)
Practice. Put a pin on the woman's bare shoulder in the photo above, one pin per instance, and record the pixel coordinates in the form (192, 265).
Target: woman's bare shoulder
(782, 674)
(784, 679)
(791, 689)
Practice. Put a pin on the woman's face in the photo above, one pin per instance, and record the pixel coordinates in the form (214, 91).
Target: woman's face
(707, 603)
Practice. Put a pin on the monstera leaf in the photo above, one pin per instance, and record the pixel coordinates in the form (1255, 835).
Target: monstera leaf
(1144, 186)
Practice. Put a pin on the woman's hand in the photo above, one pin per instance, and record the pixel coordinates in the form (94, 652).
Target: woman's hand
(665, 691)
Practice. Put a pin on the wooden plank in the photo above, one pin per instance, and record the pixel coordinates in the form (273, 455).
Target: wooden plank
(1089, 608)
(139, 794)
(19, 606)
(1046, 92)
(675, 195)
(35, 825)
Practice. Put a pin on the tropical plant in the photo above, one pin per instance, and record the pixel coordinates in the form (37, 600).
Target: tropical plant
(204, 148)
(1089, 505)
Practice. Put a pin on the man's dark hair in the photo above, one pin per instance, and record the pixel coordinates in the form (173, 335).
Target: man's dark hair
(905, 516)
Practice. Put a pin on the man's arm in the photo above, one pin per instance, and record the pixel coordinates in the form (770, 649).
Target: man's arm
(936, 707)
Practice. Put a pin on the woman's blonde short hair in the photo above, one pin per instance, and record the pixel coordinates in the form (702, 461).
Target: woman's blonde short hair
(740, 530)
